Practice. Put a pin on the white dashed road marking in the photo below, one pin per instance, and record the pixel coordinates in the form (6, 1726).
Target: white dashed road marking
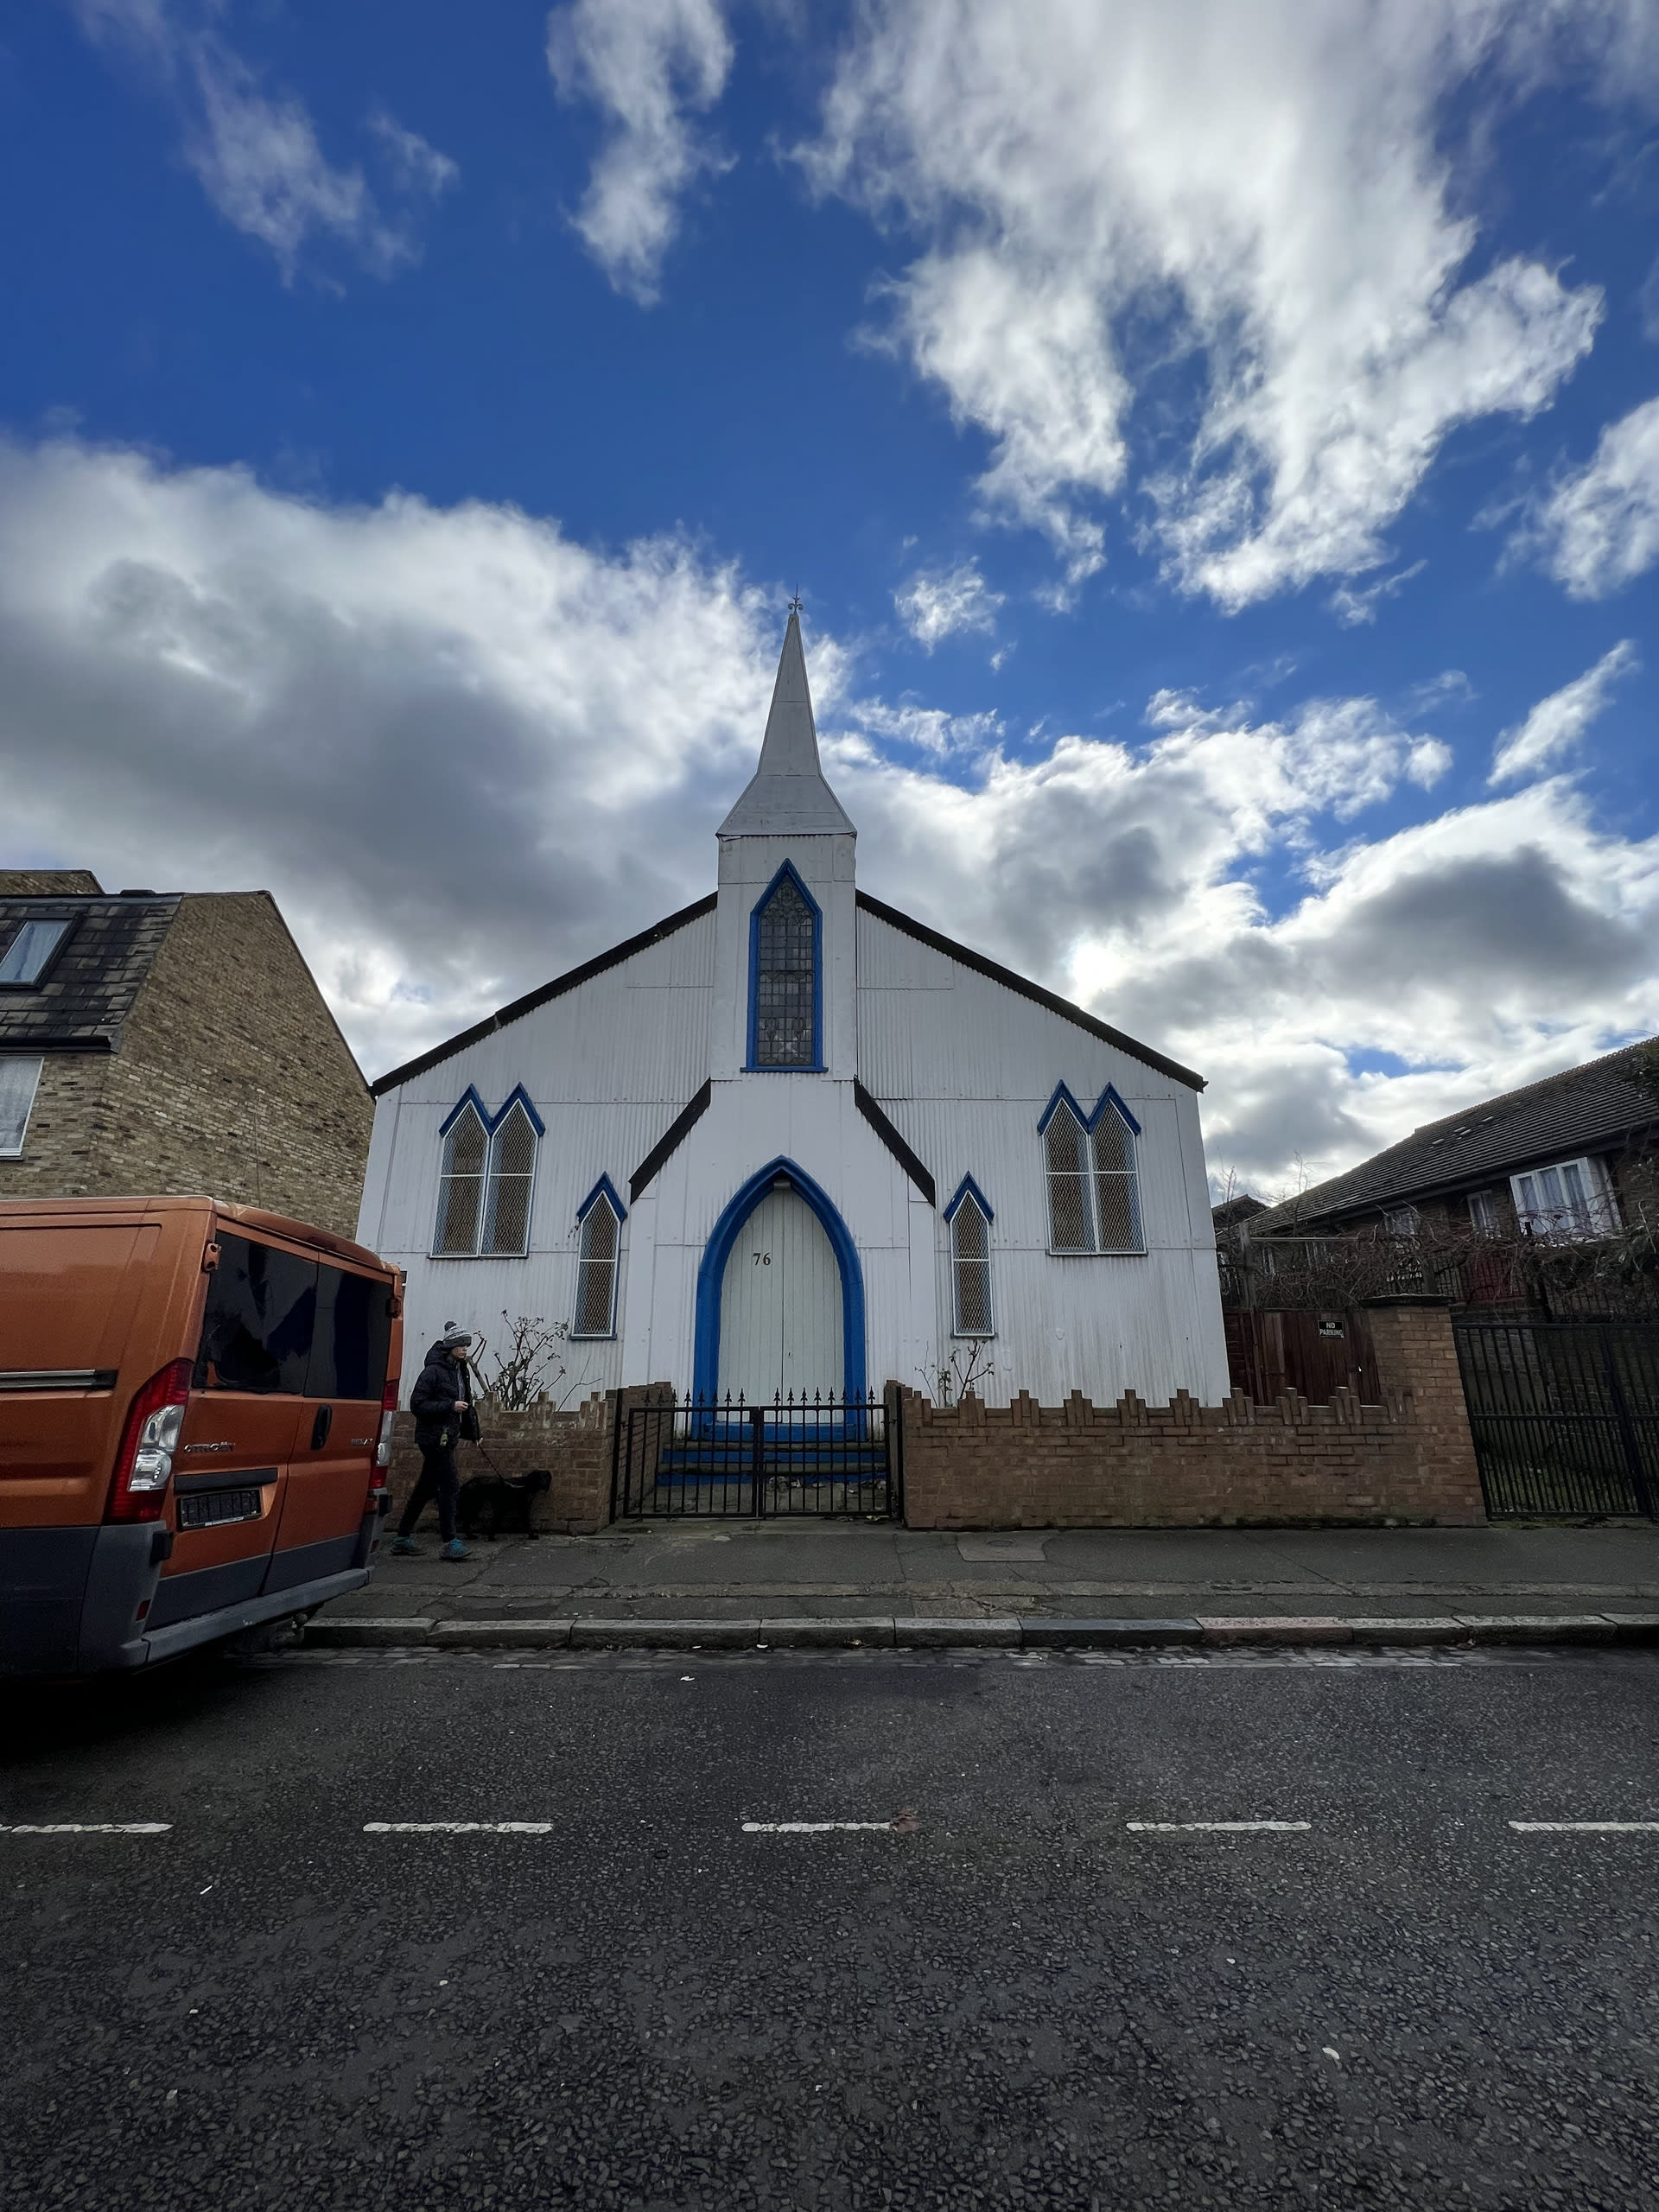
(1218, 1827)
(457, 1828)
(816, 1827)
(85, 1828)
(1586, 1827)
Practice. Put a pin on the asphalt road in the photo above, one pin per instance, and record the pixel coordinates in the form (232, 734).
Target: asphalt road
(1022, 2001)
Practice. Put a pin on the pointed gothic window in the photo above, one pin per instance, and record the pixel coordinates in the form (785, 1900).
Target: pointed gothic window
(485, 1183)
(1117, 1189)
(512, 1173)
(1070, 1218)
(970, 1264)
(461, 1189)
(785, 980)
(596, 1270)
(1094, 1182)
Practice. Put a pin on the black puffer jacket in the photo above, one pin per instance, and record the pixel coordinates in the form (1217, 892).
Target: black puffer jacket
(432, 1401)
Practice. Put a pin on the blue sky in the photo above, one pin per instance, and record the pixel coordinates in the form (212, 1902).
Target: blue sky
(1217, 445)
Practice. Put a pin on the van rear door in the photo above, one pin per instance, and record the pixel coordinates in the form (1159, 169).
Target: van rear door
(246, 1409)
(68, 1295)
(322, 1530)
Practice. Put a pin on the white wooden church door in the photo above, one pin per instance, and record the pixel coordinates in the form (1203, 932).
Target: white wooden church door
(781, 1325)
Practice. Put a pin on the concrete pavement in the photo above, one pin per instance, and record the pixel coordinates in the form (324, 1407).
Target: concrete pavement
(732, 1571)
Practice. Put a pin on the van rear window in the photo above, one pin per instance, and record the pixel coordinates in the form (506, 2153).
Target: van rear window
(275, 1323)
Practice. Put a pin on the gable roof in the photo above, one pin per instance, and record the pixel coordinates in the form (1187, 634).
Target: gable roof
(89, 986)
(1588, 1108)
(998, 974)
(516, 1010)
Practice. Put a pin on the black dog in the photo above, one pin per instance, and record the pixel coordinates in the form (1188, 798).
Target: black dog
(499, 1505)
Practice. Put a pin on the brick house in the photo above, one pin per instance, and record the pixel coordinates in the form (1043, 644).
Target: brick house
(1576, 1156)
(170, 1042)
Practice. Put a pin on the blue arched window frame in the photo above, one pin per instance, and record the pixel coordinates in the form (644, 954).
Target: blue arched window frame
(470, 1101)
(1108, 1102)
(753, 1063)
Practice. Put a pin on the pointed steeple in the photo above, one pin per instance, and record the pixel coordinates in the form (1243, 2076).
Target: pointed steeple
(787, 795)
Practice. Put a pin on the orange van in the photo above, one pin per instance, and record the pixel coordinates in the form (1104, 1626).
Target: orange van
(195, 1422)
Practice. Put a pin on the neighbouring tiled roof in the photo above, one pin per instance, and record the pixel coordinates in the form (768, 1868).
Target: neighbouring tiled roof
(88, 990)
(1232, 1211)
(1583, 1109)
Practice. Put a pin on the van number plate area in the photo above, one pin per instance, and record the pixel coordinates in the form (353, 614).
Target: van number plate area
(212, 1509)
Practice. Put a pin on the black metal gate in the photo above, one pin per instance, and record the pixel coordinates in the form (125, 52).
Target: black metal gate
(1565, 1415)
(828, 1457)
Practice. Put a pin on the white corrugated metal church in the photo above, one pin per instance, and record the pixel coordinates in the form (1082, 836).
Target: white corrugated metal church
(792, 1141)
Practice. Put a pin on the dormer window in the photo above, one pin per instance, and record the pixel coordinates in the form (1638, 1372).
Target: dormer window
(26, 959)
(783, 1005)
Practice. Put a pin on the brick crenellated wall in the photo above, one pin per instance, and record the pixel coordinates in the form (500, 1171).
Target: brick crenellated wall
(574, 1446)
(1132, 1465)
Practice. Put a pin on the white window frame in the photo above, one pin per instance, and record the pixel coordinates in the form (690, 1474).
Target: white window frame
(585, 1261)
(1401, 1220)
(959, 1259)
(29, 1086)
(1545, 1206)
(1483, 1216)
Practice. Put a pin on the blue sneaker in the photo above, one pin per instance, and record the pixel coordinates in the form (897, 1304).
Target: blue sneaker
(454, 1549)
(404, 1548)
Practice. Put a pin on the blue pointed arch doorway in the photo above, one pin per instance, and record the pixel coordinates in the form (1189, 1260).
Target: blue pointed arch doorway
(777, 1175)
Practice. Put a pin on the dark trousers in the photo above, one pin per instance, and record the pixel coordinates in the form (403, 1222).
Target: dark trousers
(439, 1479)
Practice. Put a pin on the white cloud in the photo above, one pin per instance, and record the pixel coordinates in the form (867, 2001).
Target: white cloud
(257, 158)
(1558, 721)
(929, 730)
(418, 165)
(465, 753)
(1598, 527)
(651, 66)
(1113, 200)
(936, 604)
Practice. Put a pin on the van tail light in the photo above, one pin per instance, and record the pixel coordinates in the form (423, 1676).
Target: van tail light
(143, 1466)
(388, 1408)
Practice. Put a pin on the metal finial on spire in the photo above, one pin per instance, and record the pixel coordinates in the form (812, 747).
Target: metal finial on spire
(795, 603)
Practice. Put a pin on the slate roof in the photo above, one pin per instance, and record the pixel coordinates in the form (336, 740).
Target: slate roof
(88, 992)
(1583, 1109)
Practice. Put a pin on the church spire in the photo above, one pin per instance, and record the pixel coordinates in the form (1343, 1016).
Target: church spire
(787, 795)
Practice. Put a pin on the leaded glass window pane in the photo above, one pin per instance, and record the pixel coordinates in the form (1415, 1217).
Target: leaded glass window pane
(1117, 1195)
(460, 1191)
(1070, 1223)
(512, 1169)
(785, 980)
(596, 1271)
(970, 1245)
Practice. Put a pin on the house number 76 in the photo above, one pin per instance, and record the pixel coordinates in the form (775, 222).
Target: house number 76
(763, 1259)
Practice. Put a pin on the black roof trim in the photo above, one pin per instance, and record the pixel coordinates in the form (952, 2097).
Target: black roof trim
(669, 1142)
(556, 989)
(895, 1144)
(91, 1041)
(1035, 992)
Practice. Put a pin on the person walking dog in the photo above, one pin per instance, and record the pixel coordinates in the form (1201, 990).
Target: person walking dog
(441, 1402)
